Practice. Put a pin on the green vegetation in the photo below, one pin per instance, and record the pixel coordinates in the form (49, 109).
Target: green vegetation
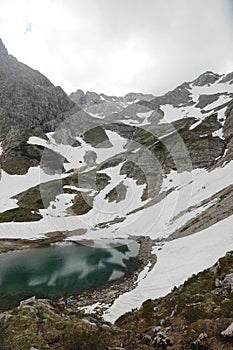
(193, 306)
(26, 150)
(83, 341)
(102, 180)
(80, 206)
(19, 214)
(43, 327)
(110, 163)
(18, 159)
(40, 197)
(112, 195)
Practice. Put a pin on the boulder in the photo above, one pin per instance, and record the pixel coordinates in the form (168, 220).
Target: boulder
(228, 332)
(200, 339)
(162, 340)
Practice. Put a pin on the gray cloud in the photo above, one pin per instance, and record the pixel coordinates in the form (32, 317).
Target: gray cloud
(124, 45)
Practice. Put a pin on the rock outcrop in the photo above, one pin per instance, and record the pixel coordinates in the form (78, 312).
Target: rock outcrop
(228, 332)
(29, 104)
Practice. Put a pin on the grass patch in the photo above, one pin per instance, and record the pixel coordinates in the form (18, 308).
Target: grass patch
(83, 341)
(19, 215)
(80, 206)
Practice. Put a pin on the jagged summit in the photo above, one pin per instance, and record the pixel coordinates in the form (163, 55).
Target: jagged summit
(208, 77)
(94, 103)
(3, 49)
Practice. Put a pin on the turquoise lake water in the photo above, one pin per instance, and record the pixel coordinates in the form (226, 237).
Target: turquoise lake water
(61, 270)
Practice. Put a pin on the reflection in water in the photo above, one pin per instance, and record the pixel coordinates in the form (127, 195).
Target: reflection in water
(58, 270)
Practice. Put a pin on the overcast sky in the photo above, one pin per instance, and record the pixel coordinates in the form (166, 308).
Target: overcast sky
(117, 46)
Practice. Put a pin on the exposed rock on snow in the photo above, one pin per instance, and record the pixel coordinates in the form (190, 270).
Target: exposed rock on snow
(228, 332)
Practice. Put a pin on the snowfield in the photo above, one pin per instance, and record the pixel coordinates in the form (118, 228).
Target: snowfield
(177, 261)
(11, 185)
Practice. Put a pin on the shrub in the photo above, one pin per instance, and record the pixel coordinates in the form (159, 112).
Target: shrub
(83, 341)
(195, 313)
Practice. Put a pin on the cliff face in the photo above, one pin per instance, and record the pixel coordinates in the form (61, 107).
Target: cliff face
(28, 99)
(29, 104)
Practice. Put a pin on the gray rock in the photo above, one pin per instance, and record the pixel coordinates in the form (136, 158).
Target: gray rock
(178, 97)
(147, 339)
(156, 329)
(206, 78)
(228, 332)
(4, 317)
(156, 308)
(90, 158)
(226, 285)
(162, 340)
(78, 97)
(30, 104)
(218, 283)
(132, 96)
(3, 50)
(27, 301)
(227, 78)
(200, 339)
(205, 100)
(102, 101)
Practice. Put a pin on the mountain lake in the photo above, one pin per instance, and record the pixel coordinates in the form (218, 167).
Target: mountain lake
(61, 270)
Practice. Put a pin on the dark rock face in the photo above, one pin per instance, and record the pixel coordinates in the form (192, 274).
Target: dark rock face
(177, 97)
(132, 96)
(3, 50)
(205, 100)
(82, 99)
(92, 98)
(228, 126)
(206, 78)
(228, 130)
(29, 104)
(227, 78)
(28, 99)
(78, 97)
(18, 155)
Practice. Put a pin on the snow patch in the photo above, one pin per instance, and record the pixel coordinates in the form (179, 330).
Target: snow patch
(196, 253)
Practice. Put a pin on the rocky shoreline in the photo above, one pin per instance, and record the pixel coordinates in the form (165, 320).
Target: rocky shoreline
(7, 244)
(104, 296)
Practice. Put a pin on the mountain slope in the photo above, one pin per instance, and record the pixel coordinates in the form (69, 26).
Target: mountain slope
(120, 167)
(30, 104)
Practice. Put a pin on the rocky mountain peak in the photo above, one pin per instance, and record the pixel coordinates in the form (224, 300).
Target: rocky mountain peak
(208, 77)
(134, 96)
(92, 97)
(227, 78)
(78, 97)
(3, 50)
